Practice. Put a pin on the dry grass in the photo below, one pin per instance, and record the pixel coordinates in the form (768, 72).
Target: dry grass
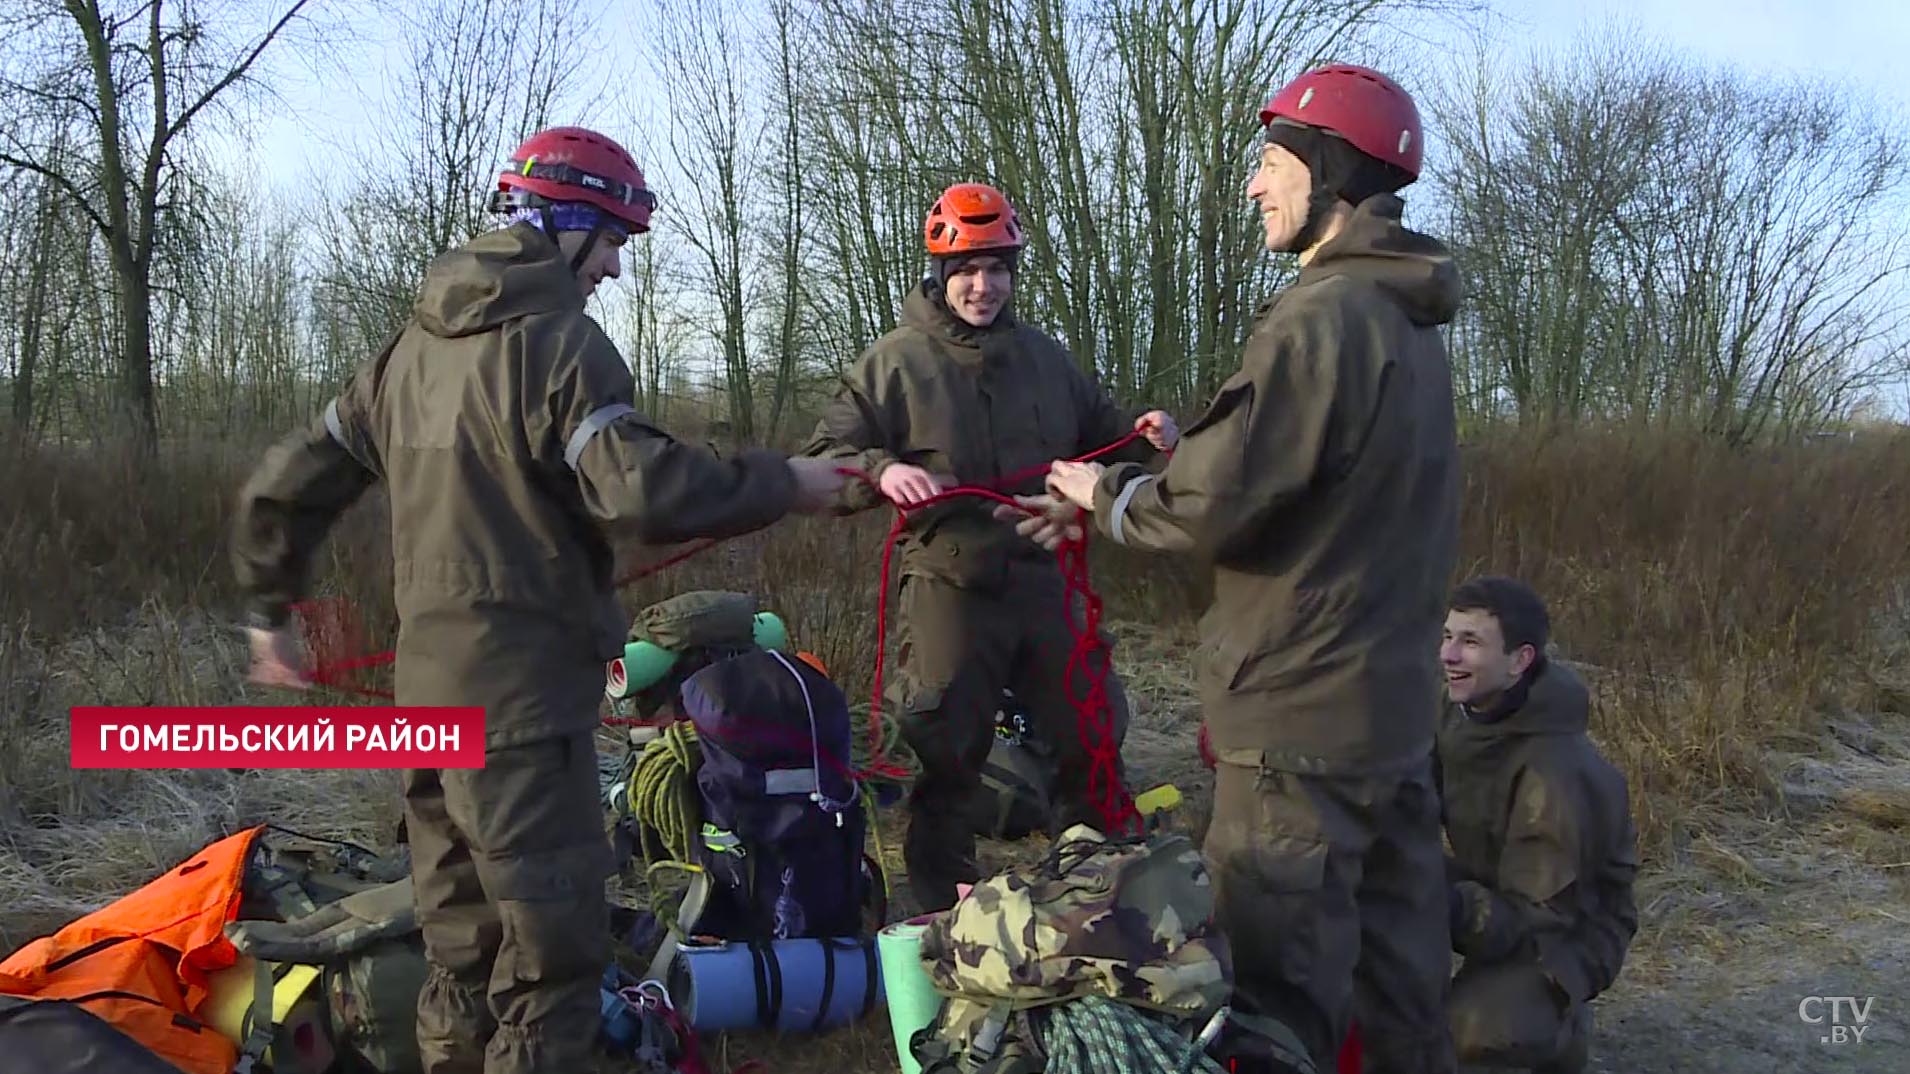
(73, 841)
(1741, 617)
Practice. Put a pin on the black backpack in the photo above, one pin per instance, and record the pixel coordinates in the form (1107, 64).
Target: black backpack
(56, 1036)
(1017, 779)
(784, 820)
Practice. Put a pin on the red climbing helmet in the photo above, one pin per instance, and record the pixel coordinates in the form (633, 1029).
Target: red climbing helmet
(576, 164)
(1360, 105)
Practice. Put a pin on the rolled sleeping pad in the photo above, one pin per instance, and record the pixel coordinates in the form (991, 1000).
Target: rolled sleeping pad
(913, 1000)
(769, 632)
(616, 683)
(641, 666)
(644, 663)
(801, 985)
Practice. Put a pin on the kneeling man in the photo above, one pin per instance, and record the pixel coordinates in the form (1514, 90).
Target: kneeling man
(1544, 849)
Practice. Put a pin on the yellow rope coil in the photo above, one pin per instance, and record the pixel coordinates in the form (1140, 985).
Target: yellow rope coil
(663, 794)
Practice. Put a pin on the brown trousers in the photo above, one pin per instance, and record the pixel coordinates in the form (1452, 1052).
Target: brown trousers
(509, 863)
(957, 649)
(1511, 1014)
(1332, 894)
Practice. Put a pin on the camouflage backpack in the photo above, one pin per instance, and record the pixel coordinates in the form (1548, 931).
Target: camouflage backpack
(1129, 921)
(332, 921)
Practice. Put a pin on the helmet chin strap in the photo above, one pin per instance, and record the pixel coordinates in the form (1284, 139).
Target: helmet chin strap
(590, 239)
(1319, 205)
(583, 252)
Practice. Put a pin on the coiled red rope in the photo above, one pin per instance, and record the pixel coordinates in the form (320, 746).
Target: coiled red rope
(328, 631)
(1093, 714)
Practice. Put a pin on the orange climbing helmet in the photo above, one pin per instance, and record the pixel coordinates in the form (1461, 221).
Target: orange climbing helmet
(972, 218)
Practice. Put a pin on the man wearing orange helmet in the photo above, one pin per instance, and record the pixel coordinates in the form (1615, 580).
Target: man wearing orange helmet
(1322, 485)
(499, 420)
(963, 391)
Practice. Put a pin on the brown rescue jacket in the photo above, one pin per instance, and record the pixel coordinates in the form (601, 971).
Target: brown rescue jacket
(1541, 823)
(980, 404)
(500, 422)
(1322, 485)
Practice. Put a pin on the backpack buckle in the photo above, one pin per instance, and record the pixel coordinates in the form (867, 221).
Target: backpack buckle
(987, 1040)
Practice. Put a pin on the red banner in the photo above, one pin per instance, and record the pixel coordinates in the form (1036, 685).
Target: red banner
(267, 736)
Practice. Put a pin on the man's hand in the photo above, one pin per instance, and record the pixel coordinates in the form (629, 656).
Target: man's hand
(818, 482)
(908, 485)
(1053, 521)
(1073, 482)
(1158, 428)
(275, 659)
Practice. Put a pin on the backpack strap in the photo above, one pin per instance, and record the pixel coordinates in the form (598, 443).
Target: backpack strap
(259, 1038)
(988, 1038)
(769, 983)
(688, 913)
(872, 975)
(983, 1056)
(828, 984)
(814, 772)
(281, 888)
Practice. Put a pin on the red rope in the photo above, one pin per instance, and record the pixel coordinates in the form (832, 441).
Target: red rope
(1093, 713)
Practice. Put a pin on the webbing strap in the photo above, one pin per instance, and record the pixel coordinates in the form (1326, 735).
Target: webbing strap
(258, 1025)
(828, 984)
(871, 977)
(789, 780)
(769, 983)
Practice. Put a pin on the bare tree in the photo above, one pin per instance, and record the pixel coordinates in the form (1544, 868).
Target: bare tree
(481, 76)
(655, 329)
(1120, 129)
(792, 185)
(134, 58)
(1649, 239)
(34, 306)
(711, 121)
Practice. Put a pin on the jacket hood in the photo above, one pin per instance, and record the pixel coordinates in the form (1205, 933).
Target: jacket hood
(1556, 702)
(1415, 269)
(927, 310)
(494, 278)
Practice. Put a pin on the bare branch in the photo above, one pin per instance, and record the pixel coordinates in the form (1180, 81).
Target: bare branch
(232, 75)
(66, 185)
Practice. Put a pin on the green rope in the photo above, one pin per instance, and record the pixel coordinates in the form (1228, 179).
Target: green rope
(1103, 1036)
(663, 794)
(663, 798)
(894, 750)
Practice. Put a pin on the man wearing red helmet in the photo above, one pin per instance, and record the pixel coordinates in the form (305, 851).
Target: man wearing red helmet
(962, 391)
(1322, 485)
(499, 420)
